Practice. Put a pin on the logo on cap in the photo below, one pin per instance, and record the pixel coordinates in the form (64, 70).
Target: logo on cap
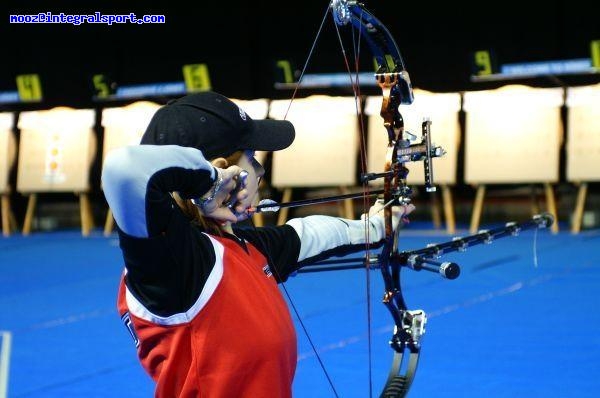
(242, 114)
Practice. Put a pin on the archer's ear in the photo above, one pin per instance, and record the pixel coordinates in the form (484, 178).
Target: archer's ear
(220, 163)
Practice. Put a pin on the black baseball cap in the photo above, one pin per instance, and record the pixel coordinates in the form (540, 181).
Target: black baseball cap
(215, 125)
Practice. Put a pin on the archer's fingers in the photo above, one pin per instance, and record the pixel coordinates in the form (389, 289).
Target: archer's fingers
(407, 209)
(230, 174)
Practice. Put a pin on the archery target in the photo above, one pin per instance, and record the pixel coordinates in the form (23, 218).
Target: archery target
(125, 125)
(512, 135)
(56, 150)
(325, 150)
(7, 149)
(583, 133)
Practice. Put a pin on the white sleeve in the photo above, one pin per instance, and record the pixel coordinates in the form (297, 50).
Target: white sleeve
(126, 174)
(320, 233)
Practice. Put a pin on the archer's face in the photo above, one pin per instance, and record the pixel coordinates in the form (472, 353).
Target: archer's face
(255, 172)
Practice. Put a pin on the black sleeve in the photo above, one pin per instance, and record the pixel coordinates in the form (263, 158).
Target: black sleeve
(279, 244)
(167, 257)
(138, 179)
(159, 202)
(168, 271)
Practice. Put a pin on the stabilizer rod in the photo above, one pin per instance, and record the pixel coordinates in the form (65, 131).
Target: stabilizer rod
(424, 259)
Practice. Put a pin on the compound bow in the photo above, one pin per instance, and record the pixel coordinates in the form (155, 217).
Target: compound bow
(394, 81)
(395, 84)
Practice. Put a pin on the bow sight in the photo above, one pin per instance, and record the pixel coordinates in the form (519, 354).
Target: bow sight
(407, 152)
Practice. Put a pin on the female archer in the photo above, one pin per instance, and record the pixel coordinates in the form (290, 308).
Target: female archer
(199, 293)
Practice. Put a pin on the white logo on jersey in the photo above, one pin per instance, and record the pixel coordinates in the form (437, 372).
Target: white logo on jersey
(267, 271)
(129, 325)
(242, 114)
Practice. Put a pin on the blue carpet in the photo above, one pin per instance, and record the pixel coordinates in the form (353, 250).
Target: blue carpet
(514, 324)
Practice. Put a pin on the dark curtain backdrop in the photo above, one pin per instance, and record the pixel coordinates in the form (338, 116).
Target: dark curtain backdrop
(241, 40)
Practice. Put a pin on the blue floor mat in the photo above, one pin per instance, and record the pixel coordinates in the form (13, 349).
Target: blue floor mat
(516, 323)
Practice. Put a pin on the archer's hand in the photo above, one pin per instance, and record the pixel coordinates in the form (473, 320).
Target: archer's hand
(225, 186)
(377, 221)
(399, 213)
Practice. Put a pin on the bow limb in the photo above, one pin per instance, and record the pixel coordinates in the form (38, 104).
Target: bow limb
(381, 43)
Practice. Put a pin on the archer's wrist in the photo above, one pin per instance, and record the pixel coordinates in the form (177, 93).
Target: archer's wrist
(206, 203)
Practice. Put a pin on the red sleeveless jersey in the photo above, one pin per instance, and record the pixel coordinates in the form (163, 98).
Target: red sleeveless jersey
(237, 339)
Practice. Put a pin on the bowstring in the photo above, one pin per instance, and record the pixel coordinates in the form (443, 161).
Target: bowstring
(274, 269)
(308, 58)
(355, 84)
(268, 255)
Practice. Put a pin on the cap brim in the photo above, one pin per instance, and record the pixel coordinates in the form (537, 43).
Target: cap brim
(270, 135)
